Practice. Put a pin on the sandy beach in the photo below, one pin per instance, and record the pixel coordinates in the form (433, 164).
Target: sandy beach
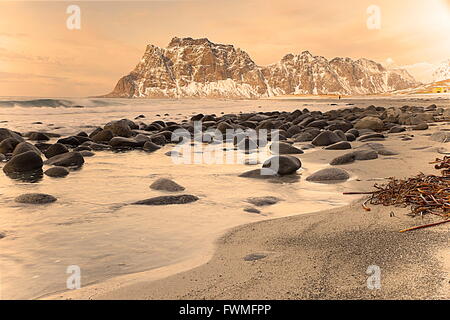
(321, 255)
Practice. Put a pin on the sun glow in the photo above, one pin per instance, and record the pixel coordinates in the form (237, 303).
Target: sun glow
(441, 14)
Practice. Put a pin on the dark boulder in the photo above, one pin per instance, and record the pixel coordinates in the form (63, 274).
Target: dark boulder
(96, 130)
(8, 145)
(326, 138)
(103, 136)
(70, 141)
(120, 128)
(164, 184)
(197, 117)
(372, 137)
(283, 165)
(354, 132)
(149, 146)
(99, 146)
(293, 130)
(263, 201)
(6, 133)
(167, 200)
(82, 148)
(35, 198)
(339, 125)
(42, 146)
(55, 149)
(329, 175)
(370, 122)
(25, 147)
(68, 159)
(125, 143)
(350, 137)
(284, 148)
(440, 136)
(158, 139)
(344, 159)
(38, 136)
(366, 155)
(86, 153)
(317, 124)
(420, 126)
(57, 172)
(303, 137)
(340, 134)
(252, 210)
(396, 129)
(342, 145)
(23, 162)
(258, 174)
(82, 134)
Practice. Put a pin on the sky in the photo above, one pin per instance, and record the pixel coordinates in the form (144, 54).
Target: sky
(40, 56)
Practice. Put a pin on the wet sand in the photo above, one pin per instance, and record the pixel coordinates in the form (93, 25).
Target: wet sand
(322, 255)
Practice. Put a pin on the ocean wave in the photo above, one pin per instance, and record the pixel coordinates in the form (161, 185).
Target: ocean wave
(55, 103)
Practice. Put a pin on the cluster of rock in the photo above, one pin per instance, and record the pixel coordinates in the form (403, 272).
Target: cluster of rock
(25, 158)
(332, 130)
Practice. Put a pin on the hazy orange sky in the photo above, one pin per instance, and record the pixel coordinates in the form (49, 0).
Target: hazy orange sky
(39, 56)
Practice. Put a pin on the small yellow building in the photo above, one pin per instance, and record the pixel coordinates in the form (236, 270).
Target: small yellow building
(441, 90)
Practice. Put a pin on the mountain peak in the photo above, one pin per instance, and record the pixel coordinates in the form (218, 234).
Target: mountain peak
(191, 67)
(176, 41)
(306, 53)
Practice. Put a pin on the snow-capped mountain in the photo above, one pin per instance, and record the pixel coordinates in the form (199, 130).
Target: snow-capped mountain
(442, 72)
(200, 68)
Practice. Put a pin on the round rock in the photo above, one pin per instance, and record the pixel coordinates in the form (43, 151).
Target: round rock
(329, 175)
(124, 143)
(164, 184)
(326, 138)
(38, 136)
(366, 155)
(55, 149)
(103, 136)
(8, 145)
(57, 172)
(283, 165)
(263, 201)
(420, 126)
(24, 147)
(284, 148)
(343, 145)
(24, 162)
(344, 159)
(149, 146)
(369, 122)
(440, 136)
(69, 159)
(35, 198)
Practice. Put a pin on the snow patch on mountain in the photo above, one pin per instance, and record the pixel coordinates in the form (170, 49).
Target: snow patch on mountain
(442, 71)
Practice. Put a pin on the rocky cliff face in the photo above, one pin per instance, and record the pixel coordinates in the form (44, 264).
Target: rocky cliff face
(199, 68)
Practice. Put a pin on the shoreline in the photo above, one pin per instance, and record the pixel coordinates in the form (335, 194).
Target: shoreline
(158, 273)
(207, 277)
(318, 255)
